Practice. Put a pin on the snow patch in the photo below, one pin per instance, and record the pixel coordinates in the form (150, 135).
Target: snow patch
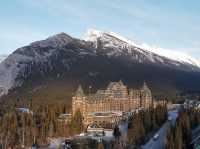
(93, 35)
(2, 58)
(172, 54)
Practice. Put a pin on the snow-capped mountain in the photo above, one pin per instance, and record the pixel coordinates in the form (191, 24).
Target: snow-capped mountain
(93, 35)
(95, 59)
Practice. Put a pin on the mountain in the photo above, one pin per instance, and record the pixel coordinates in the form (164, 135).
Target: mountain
(52, 69)
(2, 57)
(94, 35)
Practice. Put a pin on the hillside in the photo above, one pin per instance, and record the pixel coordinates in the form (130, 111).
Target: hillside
(50, 70)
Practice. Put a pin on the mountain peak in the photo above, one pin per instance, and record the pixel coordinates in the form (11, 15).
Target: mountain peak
(57, 40)
(62, 54)
(61, 35)
(93, 35)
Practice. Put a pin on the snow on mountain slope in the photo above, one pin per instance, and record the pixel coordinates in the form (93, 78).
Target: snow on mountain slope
(2, 57)
(112, 44)
(93, 35)
(172, 54)
(60, 52)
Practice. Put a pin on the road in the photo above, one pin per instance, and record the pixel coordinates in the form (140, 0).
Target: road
(123, 127)
(159, 143)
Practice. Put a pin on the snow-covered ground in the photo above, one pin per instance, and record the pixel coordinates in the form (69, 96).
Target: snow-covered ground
(159, 143)
(55, 143)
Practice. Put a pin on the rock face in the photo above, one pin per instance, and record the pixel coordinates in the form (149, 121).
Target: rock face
(101, 57)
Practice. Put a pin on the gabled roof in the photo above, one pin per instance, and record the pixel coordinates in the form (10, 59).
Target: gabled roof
(111, 84)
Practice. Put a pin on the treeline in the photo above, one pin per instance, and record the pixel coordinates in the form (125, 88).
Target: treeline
(19, 129)
(179, 135)
(145, 122)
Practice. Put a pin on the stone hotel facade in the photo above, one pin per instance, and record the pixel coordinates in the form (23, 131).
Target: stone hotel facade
(116, 97)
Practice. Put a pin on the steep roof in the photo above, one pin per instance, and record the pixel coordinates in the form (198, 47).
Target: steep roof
(79, 91)
(145, 87)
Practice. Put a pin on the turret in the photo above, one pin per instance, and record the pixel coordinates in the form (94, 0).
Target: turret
(145, 87)
(146, 96)
(79, 92)
(79, 101)
(121, 83)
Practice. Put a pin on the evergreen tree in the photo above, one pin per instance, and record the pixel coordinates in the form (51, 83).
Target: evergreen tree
(77, 122)
(178, 138)
(147, 121)
(116, 132)
(170, 141)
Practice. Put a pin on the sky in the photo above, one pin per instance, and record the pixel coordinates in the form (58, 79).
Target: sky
(169, 24)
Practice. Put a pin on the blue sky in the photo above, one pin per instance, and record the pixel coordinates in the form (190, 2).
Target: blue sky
(171, 24)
